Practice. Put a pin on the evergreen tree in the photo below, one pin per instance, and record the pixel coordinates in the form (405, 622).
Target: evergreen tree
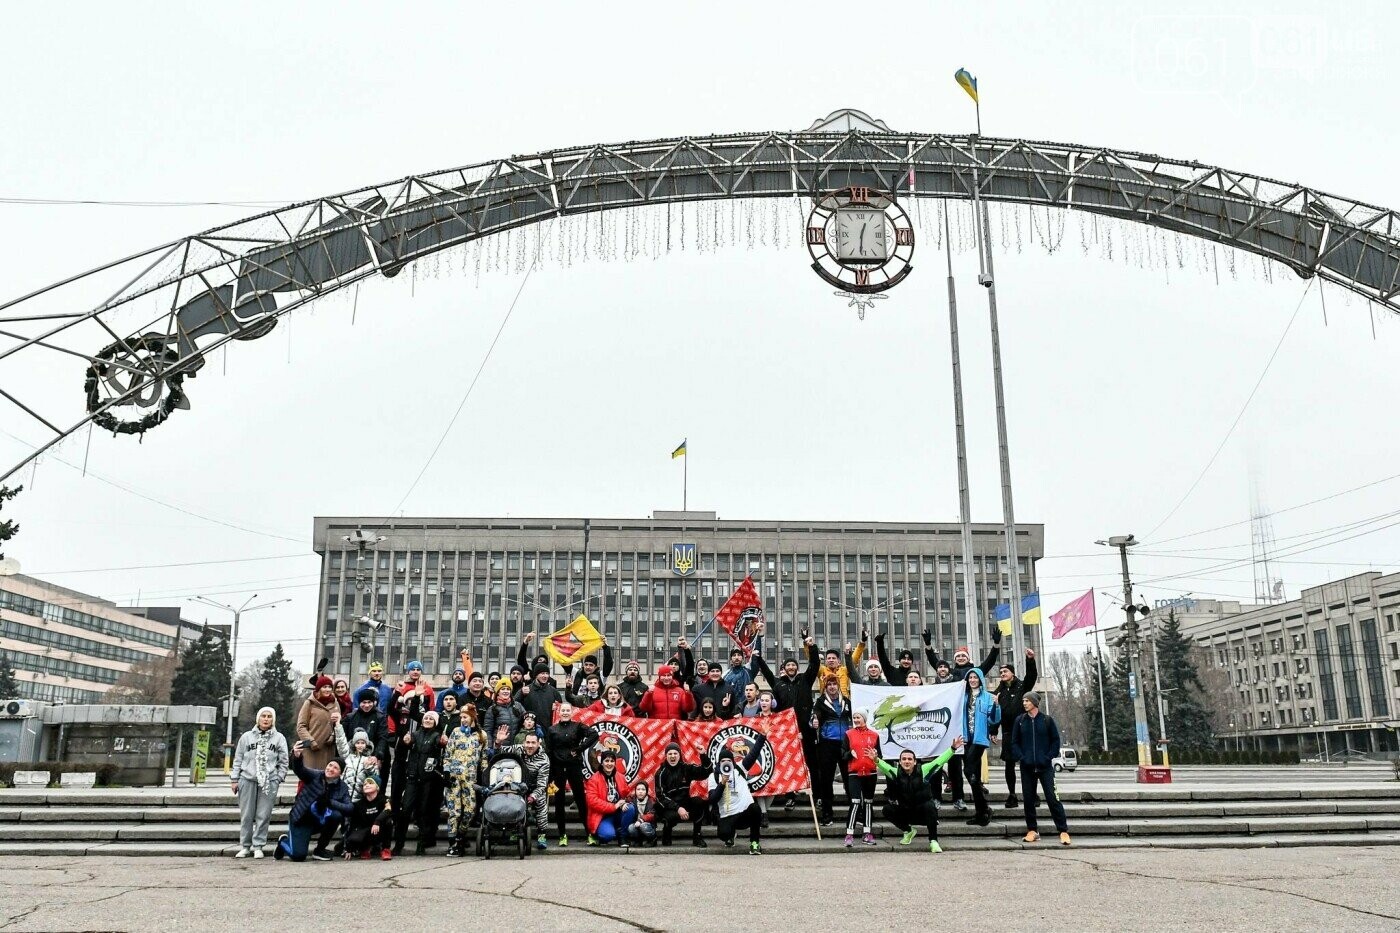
(202, 678)
(9, 686)
(1189, 724)
(279, 690)
(8, 529)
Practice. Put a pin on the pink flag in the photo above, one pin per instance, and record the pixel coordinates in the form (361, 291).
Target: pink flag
(1078, 614)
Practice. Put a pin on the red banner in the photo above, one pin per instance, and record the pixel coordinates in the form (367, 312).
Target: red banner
(640, 745)
(741, 614)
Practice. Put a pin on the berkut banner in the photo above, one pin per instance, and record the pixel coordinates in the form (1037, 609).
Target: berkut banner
(924, 720)
(640, 745)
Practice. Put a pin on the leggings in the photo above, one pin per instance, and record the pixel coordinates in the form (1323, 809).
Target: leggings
(611, 829)
(972, 766)
(955, 776)
(568, 775)
(861, 789)
(1011, 778)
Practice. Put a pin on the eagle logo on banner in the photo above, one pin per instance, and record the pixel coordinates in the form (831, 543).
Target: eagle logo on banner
(614, 737)
(740, 740)
(683, 560)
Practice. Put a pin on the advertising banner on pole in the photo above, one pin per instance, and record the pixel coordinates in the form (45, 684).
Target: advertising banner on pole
(199, 757)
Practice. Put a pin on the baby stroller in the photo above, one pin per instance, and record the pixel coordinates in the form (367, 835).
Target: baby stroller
(504, 816)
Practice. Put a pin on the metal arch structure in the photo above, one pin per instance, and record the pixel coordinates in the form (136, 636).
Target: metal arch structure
(235, 281)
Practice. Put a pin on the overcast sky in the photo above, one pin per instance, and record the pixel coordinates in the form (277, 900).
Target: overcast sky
(1121, 380)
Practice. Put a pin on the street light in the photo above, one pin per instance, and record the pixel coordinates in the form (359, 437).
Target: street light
(233, 654)
(1130, 643)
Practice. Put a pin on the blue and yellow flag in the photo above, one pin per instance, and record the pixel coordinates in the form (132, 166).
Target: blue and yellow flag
(1030, 609)
(679, 451)
(1001, 615)
(967, 82)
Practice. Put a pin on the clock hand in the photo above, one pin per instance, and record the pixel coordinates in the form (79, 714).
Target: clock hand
(862, 238)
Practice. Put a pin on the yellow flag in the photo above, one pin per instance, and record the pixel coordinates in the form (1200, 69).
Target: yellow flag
(574, 642)
(967, 82)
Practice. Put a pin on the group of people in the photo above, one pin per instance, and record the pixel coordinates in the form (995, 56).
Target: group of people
(371, 763)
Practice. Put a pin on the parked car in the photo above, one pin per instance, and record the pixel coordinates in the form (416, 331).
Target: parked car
(1068, 760)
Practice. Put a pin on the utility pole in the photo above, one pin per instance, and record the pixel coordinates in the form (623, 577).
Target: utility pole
(1161, 701)
(233, 665)
(1130, 641)
(362, 541)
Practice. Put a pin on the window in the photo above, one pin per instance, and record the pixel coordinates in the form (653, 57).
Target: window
(1375, 678)
(1324, 673)
(1351, 683)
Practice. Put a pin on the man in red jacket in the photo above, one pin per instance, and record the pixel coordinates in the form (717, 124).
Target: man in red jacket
(667, 699)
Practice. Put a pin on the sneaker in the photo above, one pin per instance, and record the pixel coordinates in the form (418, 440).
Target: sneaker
(364, 855)
(982, 819)
(959, 805)
(763, 822)
(541, 843)
(935, 847)
(624, 844)
(280, 852)
(564, 841)
(243, 853)
(790, 804)
(868, 839)
(1031, 836)
(827, 819)
(453, 851)
(1064, 839)
(908, 837)
(729, 843)
(592, 839)
(755, 849)
(699, 842)
(850, 840)
(320, 855)
(1012, 802)
(385, 854)
(258, 853)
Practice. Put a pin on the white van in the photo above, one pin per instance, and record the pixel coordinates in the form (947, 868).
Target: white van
(1068, 760)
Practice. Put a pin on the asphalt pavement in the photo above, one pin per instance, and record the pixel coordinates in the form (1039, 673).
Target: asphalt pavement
(1052, 888)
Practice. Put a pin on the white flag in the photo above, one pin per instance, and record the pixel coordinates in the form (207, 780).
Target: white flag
(924, 720)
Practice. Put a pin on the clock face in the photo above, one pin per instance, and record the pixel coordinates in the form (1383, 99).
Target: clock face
(861, 236)
(860, 240)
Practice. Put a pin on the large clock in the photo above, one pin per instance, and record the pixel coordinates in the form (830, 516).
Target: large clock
(860, 239)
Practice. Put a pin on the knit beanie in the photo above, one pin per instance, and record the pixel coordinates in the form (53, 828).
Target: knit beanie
(1033, 698)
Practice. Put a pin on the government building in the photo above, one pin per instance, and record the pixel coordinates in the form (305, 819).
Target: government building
(426, 588)
(1319, 674)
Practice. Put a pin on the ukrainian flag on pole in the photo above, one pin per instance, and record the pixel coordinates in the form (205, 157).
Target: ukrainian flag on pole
(967, 82)
(679, 451)
(1030, 609)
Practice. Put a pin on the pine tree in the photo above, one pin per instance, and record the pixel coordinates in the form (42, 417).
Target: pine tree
(9, 685)
(8, 528)
(202, 678)
(1189, 724)
(279, 690)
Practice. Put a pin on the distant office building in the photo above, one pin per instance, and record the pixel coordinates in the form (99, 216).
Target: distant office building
(69, 647)
(441, 584)
(1320, 674)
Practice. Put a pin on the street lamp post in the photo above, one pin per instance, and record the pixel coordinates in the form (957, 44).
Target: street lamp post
(868, 614)
(1131, 642)
(233, 655)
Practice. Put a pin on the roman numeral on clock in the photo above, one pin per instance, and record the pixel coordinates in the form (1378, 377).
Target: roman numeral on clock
(862, 277)
(860, 195)
(904, 236)
(816, 235)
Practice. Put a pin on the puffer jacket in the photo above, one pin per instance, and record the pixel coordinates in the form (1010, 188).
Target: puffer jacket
(839, 673)
(502, 714)
(673, 702)
(596, 794)
(355, 766)
(317, 796)
(855, 748)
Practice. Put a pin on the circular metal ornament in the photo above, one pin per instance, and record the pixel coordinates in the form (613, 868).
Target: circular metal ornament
(860, 240)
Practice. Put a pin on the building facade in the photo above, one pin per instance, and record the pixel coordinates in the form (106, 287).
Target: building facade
(69, 647)
(431, 587)
(1319, 674)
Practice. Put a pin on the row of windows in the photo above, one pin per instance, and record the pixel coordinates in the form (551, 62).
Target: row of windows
(33, 662)
(50, 638)
(615, 561)
(53, 612)
(56, 693)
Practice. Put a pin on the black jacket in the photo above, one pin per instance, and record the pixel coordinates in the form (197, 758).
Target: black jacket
(1009, 696)
(1036, 740)
(567, 741)
(896, 675)
(576, 673)
(316, 791)
(715, 692)
(366, 814)
(425, 754)
(540, 701)
(673, 784)
(482, 702)
(990, 661)
(908, 790)
(376, 726)
(632, 694)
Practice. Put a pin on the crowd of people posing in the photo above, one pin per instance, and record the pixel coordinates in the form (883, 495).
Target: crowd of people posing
(372, 763)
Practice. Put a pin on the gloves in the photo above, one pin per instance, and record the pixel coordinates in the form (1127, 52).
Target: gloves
(928, 638)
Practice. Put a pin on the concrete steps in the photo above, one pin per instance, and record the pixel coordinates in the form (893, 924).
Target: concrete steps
(204, 821)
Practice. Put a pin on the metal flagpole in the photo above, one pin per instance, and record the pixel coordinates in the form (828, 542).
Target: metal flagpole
(1098, 666)
(964, 500)
(987, 279)
(685, 478)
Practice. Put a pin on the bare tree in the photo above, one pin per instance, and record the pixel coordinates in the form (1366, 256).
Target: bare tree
(146, 682)
(1067, 673)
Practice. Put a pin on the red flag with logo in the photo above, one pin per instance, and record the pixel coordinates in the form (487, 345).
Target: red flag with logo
(780, 768)
(741, 614)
